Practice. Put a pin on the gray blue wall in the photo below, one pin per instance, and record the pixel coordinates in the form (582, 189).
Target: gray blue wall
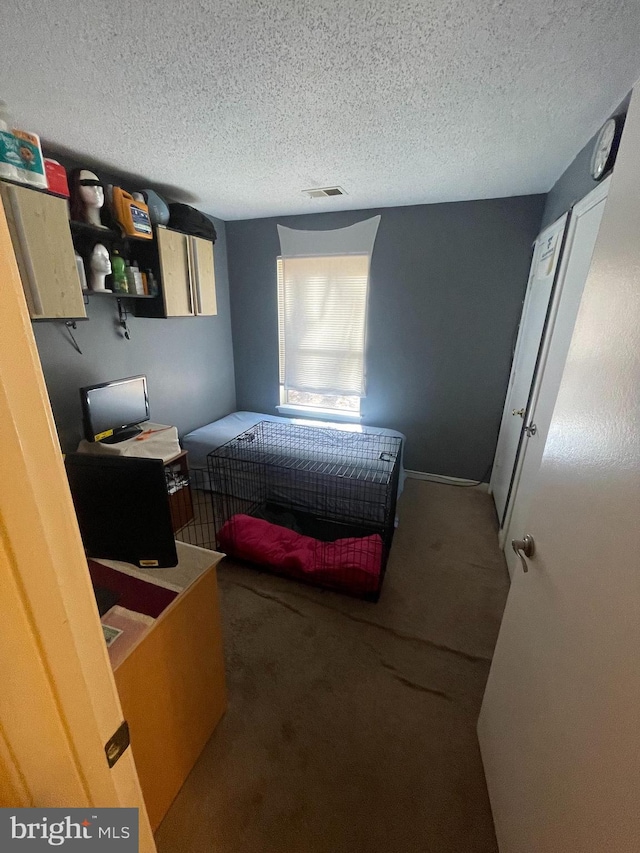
(447, 283)
(188, 361)
(576, 181)
(446, 291)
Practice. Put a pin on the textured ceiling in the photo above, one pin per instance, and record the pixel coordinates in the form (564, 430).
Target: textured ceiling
(244, 103)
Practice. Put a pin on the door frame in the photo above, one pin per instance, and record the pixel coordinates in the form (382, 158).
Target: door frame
(594, 197)
(58, 704)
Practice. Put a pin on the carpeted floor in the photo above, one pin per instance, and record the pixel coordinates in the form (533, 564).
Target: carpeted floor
(352, 726)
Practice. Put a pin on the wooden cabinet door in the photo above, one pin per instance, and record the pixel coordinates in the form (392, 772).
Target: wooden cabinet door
(173, 693)
(204, 276)
(174, 267)
(40, 233)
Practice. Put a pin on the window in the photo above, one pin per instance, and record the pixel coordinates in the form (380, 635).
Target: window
(322, 309)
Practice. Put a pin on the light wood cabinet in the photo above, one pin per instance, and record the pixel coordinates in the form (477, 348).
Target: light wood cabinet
(204, 276)
(187, 274)
(174, 271)
(41, 237)
(171, 681)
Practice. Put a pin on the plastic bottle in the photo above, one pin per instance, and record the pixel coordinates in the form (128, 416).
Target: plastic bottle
(152, 284)
(137, 279)
(118, 268)
(81, 272)
(132, 215)
(31, 168)
(131, 282)
(8, 146)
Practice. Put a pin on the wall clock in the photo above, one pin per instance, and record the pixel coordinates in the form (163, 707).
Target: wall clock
(605, 148)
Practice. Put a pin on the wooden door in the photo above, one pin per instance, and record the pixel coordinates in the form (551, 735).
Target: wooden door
(174, 268)
(574, 268)
(559, 723)
(546, 253)
(204, 276)
(39, 227)
(58, 703)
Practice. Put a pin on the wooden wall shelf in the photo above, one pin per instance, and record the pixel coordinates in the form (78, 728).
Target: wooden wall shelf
(116, 295)
(87, 228)
(33, 187)
(111, 234)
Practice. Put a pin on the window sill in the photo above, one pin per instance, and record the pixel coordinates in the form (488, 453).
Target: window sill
(320, 414)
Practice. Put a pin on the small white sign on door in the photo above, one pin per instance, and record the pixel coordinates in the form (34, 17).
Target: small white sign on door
(546, 265)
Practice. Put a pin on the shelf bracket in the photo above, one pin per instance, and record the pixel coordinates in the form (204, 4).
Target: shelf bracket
(71, 326)
(123, 315)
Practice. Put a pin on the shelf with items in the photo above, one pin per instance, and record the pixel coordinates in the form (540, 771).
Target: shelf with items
(179, 491)
(86, 237)
(114, 293)
(80, 228)
(175, 274)
(110, 234)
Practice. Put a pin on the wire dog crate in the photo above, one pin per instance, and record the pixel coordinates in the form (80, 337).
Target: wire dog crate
(316, 504)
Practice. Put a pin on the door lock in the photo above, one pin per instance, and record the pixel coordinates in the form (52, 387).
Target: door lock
(530, 430)
(117, 743)
(518, 412)
(524, 547)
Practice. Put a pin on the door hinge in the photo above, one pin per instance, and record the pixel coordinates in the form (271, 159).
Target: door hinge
(117, 743)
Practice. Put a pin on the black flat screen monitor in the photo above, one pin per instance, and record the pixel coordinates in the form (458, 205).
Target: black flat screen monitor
(111, 411)
(122, 506)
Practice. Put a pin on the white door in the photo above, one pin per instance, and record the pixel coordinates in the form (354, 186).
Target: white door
(559, 727)
(574, 267)
(546, 252)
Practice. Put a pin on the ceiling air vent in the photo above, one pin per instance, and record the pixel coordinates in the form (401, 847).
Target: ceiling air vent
(323, 192)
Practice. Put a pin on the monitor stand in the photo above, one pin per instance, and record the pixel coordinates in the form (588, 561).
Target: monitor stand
(122, 435)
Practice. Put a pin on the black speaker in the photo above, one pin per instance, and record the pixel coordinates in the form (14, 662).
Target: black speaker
(122, 506)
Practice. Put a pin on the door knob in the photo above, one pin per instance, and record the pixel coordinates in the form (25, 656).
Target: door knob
(518, 412)
(524, 547)
(530, 430)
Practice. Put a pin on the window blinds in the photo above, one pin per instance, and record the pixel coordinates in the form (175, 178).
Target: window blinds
(323, 283)
(323, 307)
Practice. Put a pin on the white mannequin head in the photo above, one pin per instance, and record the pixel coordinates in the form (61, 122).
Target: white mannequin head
(91, 194)
(100, 266)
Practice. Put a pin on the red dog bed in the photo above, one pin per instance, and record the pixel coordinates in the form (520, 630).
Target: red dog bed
(352, 564)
